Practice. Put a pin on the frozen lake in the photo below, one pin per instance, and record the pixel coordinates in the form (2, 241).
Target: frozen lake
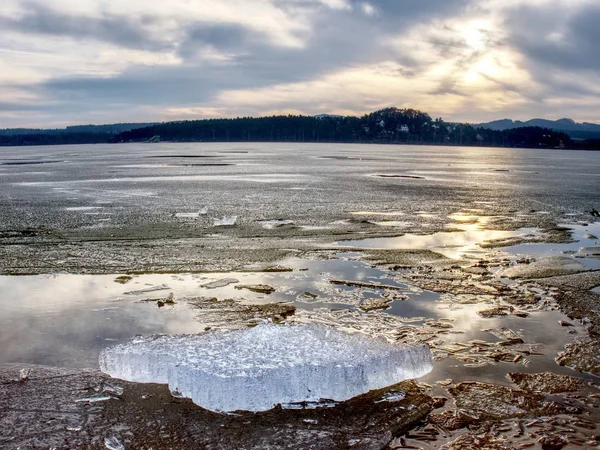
(98, 186)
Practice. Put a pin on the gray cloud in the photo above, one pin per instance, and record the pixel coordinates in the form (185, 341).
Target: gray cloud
(119, 30)
(576, 47)
(338, 39)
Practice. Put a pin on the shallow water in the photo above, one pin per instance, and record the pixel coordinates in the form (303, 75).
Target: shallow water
(581, 239)
(65, 320)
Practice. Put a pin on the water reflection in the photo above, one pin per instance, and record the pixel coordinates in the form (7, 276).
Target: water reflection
(452, 244)
(584, 236)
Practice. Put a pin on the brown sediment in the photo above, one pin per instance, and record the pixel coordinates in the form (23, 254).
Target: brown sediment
(547, 382)
(45, 411)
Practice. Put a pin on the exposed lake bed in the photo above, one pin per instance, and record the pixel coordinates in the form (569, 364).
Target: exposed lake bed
(472, 270)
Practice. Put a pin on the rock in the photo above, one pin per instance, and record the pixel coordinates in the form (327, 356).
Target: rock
(439, 324)
(547, 382)
(497, 311)
(439, 402)
(502, 311)
(259, 288)
(543, 268)
(123, 279)
(372, 304)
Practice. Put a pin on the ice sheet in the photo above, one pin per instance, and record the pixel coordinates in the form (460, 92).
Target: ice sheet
(258, 368)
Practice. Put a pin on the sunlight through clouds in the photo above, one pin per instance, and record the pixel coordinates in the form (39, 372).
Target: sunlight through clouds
(474, 60)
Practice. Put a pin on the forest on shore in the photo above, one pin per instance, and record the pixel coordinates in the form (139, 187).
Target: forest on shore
(386, 126)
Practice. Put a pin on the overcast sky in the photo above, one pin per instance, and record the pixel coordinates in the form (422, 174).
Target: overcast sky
(64, 62)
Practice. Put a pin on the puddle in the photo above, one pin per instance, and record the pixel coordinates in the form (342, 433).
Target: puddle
(584, 236)
(451, 244)
(86, 313)
(65, 320)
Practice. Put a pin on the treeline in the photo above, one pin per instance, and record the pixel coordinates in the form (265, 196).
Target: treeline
(390, 125)
(54, 139)
(81, 130)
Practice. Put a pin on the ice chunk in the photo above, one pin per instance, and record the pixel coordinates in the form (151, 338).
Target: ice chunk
(162, 287)
(193, 215)
(99, 398)
(255, 369)
(226, 221)
(220, 283)
(113, 443)
(543, 268)
(271, 224)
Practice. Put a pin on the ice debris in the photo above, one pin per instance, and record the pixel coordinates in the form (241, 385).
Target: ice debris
(257, 368)
(113, 443)
(161, 287)
(272, 224)
(227, 221)
(193, 215)
(220, 283)
(546, 267)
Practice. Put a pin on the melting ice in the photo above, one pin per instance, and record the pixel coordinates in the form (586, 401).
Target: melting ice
(258, 368)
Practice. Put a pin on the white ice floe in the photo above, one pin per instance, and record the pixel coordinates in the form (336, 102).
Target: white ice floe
(257, 368)
(161, 287)
(226, 221)
(193, 215)
(271, 224)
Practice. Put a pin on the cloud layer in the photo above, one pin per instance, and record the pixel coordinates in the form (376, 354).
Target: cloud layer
(472, 60)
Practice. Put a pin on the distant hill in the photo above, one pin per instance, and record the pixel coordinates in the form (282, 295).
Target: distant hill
(575, 130)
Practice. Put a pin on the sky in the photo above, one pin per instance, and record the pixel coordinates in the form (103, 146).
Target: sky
(65, 62)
